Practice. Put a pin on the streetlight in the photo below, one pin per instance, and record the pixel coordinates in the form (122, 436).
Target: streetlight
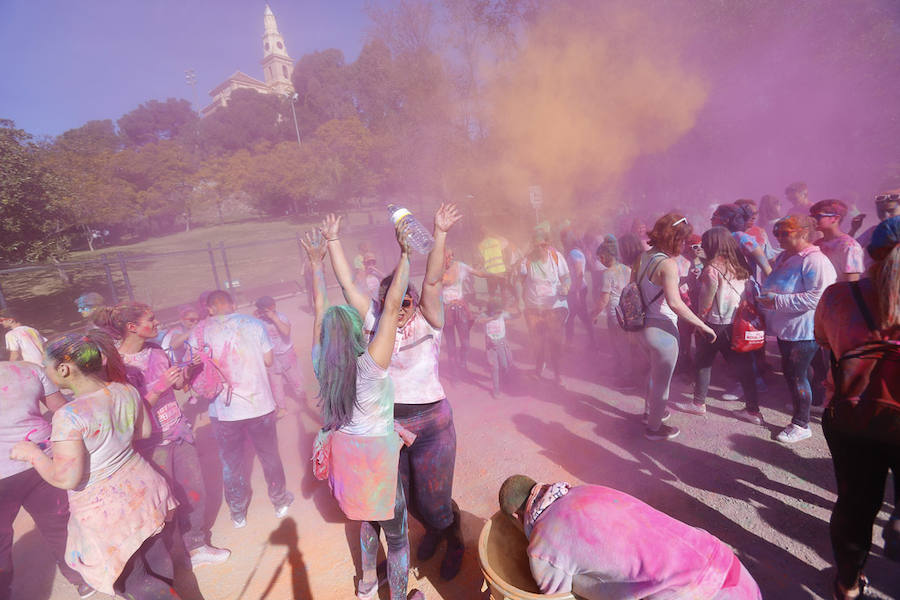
(293, 98)
(190, 77)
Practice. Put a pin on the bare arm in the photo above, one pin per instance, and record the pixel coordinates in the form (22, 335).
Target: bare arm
(759, 256)
(668, 278)
(602, 303)
(432, 304)
(330, 230)
(65, 470)
(14, 355)
(54, 401)
(269, 358)
(382, 345)
(708, 287)
(315, 247)
(284, 328)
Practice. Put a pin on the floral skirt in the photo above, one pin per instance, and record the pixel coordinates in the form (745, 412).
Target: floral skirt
(110, 519)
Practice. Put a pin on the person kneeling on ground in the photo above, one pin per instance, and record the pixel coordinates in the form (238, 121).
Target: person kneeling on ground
(602, 543)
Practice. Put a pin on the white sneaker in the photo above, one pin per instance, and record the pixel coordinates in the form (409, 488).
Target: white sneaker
(282, 510)
(792, 433)
(751, 417)
(690, 407)
(735, 393)
(208, 555)
(239, 523)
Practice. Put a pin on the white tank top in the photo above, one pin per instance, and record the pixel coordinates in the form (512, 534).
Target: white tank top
(414, 363)
(659, 308)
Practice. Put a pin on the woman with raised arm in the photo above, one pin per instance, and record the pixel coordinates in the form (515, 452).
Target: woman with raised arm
(420, 404)
(119, 503)
(357, 399)
(658, 278)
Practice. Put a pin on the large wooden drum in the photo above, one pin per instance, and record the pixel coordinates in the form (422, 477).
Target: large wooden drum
(504, 562)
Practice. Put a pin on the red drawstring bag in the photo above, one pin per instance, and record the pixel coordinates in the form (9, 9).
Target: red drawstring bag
(748, 332)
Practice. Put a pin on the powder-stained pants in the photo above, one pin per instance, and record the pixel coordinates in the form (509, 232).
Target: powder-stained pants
(180, 463)
(230, 435)
(397, 537)
(48, 506)
(426, 467)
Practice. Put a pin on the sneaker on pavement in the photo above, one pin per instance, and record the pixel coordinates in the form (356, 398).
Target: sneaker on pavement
(749, 416)
(665, 432)
(282, 510)
(208, 555)
(690, 407)
(734, 393)
(646, 418)
(792, 433)
(239, 521)
(85, 591)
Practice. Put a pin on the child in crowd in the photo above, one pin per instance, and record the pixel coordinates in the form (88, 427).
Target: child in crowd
(499, 355)
(22, 342)
(285, 369)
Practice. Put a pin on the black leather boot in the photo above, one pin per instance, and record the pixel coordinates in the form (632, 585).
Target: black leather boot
(429, 544)
(452, 562)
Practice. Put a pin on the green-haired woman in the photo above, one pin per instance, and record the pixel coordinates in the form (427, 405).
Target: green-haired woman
(357, 400)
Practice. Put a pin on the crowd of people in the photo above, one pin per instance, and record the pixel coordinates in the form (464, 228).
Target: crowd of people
(95, 443)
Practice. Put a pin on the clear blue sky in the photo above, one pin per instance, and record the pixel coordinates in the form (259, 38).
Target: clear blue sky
(66, 62)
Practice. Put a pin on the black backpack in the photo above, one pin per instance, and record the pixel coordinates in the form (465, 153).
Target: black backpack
(867, 385)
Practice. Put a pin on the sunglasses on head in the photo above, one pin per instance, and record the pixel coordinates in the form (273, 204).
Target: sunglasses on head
(679, 222)
(818, 216)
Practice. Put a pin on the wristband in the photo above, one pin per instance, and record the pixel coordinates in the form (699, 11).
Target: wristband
(331, 239)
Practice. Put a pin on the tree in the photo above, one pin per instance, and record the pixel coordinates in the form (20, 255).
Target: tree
(29, 194)
(322, 83)
(154, 121)
(248, 119)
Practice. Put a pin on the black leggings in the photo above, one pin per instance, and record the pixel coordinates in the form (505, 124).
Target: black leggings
(861, 463)
(149, 572)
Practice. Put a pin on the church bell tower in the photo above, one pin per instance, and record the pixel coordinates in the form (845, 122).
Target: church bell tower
(277, 64)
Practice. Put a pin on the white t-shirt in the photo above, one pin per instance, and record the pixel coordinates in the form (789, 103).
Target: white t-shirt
(543, 281)
(28, 341)
(454, 279)
(373, 413)
(104, 420)
(23, 385)
(414, 363)
(612, 281)
(280, 344)
(237, 342)
(495, 328)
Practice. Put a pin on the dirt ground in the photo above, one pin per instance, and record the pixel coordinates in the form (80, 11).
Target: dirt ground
(770, 502)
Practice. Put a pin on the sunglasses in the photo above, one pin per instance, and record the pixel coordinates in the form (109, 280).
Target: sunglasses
(883, 198)
(820, 215)
(696, 247)
(406, 303)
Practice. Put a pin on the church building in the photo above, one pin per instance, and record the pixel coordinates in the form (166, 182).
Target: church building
(277, 68)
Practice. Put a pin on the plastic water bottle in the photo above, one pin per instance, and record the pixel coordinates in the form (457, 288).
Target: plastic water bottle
(420, 239)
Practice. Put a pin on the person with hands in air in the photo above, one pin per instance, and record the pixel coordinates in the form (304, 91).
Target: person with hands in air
(357, 400)
(658, 278)
(420, 404)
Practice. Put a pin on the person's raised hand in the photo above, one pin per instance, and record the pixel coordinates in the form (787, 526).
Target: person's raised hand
(403, 237)
(314, 244)
(331, 227)
(446, 216)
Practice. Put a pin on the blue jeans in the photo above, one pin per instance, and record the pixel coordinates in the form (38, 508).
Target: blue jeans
(796, 358)
(230, 436)
(660, 339)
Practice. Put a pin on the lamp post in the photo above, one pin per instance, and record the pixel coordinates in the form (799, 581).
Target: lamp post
(190, 77)
(293, 98)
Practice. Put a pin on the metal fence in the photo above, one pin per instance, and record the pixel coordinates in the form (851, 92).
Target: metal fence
(44, 295)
